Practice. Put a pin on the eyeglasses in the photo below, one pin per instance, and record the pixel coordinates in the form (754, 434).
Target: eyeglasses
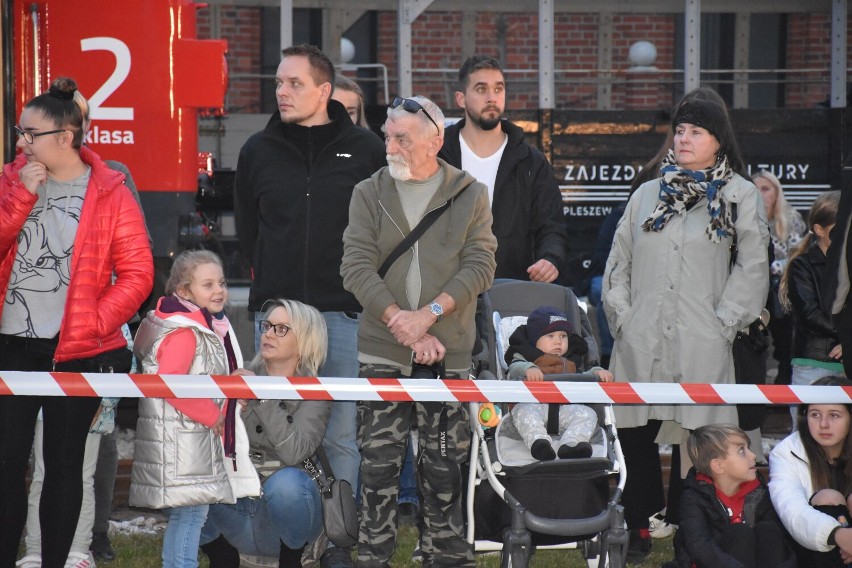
(31, 136)
(281, 329)
(412, 106)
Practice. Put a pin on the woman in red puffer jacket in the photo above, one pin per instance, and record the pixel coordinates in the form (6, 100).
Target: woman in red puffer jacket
(75, 264)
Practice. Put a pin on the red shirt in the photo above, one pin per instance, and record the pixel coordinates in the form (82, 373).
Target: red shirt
(735, 503)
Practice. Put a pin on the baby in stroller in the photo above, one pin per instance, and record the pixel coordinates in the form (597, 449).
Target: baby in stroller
(548, 345)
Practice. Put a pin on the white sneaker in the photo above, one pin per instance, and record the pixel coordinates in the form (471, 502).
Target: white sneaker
(79, 560)
(658, 527)
(29, 562)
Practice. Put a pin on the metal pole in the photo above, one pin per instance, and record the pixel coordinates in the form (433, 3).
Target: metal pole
(407, 12)
(546, 13)
(741, 59)
(605, 60)
(286, 23)
(692, 45)
(838, 54)
(404, 51)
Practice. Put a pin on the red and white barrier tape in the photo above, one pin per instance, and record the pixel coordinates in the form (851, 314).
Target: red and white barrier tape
(314, 388)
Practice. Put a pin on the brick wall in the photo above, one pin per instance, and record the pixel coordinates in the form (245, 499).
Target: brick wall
(240, 26)
(643, 90)
(513, 37)
(808, 47)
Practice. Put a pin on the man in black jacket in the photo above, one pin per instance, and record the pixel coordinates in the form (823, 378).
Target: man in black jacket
(532, 240)
(293, 185)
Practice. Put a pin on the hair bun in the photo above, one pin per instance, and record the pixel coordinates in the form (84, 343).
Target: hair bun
(59, 93)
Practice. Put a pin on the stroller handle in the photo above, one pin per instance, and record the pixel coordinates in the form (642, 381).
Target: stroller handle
(572, 377)
(568, 527)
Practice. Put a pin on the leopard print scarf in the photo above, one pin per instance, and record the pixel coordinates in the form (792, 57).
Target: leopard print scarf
(681, 189)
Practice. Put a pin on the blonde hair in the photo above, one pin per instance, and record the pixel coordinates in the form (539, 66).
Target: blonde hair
(311, 336)
(184, 267)
(342, 83)
(710, 442)
(783, 210)
(823, 212)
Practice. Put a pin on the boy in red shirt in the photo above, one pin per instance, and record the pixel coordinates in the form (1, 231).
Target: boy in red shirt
(726, 517)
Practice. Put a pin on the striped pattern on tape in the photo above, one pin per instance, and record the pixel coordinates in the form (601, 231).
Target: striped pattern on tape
(449, 390)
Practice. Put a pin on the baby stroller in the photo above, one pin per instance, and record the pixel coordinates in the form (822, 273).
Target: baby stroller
(516, 503)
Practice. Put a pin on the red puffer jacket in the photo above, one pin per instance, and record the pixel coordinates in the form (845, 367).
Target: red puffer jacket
(111, 238)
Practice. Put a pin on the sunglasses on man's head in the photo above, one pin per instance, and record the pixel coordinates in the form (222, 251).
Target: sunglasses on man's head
(412, 106)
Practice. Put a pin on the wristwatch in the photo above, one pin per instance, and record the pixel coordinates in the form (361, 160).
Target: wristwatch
(437, 310)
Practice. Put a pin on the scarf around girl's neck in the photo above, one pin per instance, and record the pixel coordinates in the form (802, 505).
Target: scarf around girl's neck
(681, 189)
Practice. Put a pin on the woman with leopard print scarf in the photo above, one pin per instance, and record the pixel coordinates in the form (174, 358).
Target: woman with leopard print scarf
(672, 302)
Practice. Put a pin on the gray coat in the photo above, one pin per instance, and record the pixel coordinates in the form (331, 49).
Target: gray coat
(673, 306)
(283, 433)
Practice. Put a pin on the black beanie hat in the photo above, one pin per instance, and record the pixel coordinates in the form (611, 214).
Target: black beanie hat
(705, 114)
(544, 320)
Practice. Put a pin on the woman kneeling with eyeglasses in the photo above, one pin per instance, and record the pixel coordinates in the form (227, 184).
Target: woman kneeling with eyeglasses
(282, 434)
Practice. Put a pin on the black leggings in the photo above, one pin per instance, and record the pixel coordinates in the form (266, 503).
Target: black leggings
(643, 493)
(66, 425)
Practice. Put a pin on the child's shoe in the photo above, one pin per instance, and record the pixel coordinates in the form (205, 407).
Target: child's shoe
(31, 561)
(542, 450)
(581, 450)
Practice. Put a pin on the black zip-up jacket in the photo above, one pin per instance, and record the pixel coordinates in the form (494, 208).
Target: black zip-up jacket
(703, 519)
(814, 332)
(527, 205)
(291, 203)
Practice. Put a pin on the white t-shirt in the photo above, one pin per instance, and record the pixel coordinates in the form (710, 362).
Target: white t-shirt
(483, 169)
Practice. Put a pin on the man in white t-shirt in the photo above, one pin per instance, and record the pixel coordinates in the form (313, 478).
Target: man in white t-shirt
(525, 200)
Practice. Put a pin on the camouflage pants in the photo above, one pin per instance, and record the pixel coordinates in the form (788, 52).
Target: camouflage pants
(444, 443)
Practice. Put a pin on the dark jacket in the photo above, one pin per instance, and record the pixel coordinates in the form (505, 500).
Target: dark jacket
(703, 519)
(291, 203)
(814, 332)
(527, 205)
(522, 348)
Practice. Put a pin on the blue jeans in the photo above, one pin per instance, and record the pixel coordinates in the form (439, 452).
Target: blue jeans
(289, 511)
(342, 361)
(408, 478)
(606, 340)
(180, 543)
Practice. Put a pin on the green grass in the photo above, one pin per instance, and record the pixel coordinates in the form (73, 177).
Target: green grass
(142, 551)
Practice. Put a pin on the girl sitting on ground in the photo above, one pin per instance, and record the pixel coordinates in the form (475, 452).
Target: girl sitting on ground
(810, 471)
